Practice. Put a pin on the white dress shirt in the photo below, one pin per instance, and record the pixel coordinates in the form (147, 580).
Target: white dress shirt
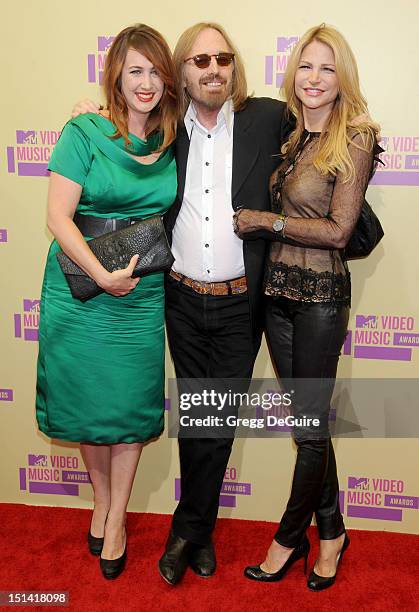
(204, 244)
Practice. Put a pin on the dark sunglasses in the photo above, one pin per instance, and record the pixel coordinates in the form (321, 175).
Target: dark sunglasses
(204, 60)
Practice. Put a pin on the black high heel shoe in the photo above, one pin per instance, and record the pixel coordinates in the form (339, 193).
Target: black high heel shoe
(112, 568)
(254, 572)
(319, 583)
(95, 544)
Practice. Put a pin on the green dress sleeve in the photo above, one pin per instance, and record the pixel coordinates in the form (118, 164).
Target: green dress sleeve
(72, 156)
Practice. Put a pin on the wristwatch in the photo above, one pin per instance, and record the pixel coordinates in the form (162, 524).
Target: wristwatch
(278, 224)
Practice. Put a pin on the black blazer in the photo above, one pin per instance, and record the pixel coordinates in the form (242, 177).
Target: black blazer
(257, 138)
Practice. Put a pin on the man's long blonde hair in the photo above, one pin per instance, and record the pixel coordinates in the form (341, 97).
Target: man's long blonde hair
(183, 51)
(333, 155)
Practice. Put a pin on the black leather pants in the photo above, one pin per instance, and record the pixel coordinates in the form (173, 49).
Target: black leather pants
(305, 340)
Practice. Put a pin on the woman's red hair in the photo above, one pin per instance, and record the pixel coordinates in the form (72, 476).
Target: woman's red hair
(150, 43)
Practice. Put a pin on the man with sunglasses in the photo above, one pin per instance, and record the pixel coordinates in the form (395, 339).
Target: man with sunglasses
(226, 150)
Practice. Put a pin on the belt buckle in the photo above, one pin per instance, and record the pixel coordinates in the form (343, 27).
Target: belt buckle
(241, 287)
(109, 225)
(198, 286)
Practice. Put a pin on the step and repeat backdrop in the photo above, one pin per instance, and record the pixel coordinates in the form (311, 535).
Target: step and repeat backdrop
(53, 55)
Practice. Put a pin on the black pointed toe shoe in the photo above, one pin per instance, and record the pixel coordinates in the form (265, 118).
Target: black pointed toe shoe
(174, 561)
(112, 568)
(202, 560)
(255, 572)
(95, 544)
(319, 583)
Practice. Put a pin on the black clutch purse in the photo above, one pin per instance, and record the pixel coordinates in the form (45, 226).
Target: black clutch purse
(114, 250)
(367, 234)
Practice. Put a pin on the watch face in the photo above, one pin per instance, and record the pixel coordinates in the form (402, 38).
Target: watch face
(278, 225)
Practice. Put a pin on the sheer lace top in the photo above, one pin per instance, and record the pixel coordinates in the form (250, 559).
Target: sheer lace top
(327, 210)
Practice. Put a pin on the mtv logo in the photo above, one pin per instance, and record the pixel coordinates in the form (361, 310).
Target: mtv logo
(284, 44)
(31, 305)
(39, 460)
(358, 483)
(104, 42)
(368, 321)
(26, 137)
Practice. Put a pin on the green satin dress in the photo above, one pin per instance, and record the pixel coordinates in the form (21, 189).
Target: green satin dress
(101, 363)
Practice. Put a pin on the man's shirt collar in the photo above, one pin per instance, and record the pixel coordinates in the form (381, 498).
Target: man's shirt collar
(225, 116)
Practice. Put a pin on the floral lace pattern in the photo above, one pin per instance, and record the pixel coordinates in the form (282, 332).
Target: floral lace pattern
(306, 285)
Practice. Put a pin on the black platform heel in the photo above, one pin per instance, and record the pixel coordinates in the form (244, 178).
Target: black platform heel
(319, 583)
(95, 544)
(112, 568)
(254, 572)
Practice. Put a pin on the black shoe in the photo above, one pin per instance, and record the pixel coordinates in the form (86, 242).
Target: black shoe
(202, 560)
(174, 561)
(254, 572)
(95, 544)
(318, 583)
(112, 568)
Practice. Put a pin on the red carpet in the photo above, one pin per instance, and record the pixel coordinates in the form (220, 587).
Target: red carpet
(45, 549)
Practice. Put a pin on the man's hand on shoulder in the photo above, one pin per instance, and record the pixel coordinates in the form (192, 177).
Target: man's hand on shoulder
(85, 106)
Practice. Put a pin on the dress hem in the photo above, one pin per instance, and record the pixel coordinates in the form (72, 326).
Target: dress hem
(58, 436)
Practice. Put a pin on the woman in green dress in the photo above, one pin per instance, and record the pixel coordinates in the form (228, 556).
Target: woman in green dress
(101, 362)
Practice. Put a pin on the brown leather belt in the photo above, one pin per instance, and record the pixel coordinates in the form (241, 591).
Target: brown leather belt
(232, 287)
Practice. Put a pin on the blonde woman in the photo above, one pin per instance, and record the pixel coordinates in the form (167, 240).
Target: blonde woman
(317, 194)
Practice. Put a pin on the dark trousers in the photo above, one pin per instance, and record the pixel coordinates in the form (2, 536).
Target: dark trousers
(209, 337)
(305, 340)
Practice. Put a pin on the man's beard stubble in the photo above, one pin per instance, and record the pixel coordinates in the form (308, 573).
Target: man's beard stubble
(211, 100)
